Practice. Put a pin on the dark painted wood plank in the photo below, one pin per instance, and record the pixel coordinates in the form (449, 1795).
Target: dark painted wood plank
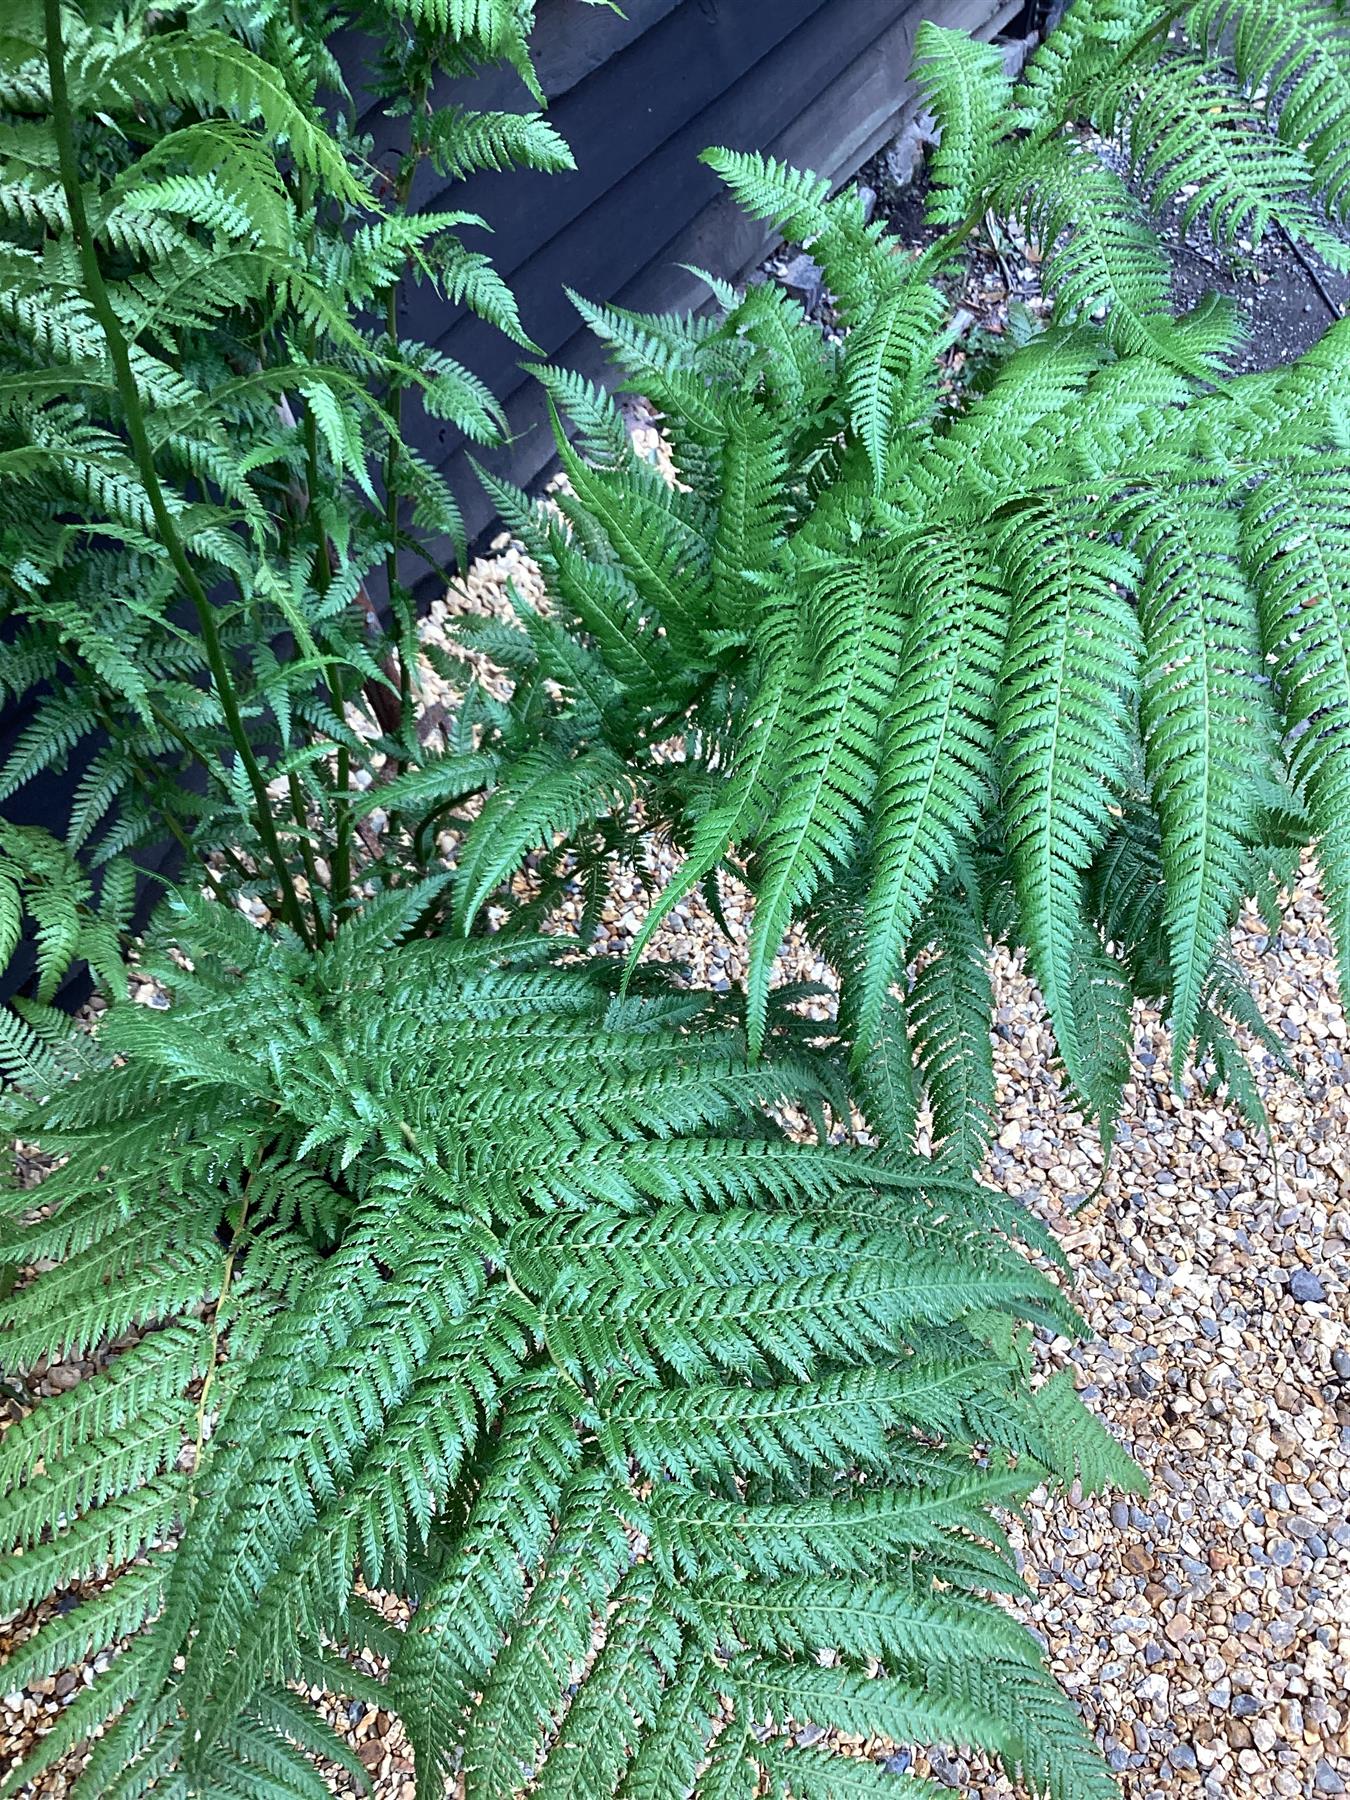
(861, 109)
(639, 220)
(638, 104)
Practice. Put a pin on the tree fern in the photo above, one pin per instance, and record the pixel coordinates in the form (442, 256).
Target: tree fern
(931, 650)
(574, 1295)
(175, 193)
(425, 1250)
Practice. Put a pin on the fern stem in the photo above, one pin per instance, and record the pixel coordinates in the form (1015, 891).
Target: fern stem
(183, 738)
(341, 867)
(63, 127)
(301, 816)
(213, 1361)
(169, 819)
(395, 408)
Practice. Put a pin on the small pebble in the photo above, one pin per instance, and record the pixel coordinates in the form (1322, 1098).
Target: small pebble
(1306, 1287)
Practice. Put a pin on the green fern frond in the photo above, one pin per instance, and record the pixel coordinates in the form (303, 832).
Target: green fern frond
(545, 796)
(1193, 139)
(1099, 252)
(563, 1246)
(968, 91)
(838, 696)
(937, 758)
(1204, 719)
(1295, 56)
(457, 142)
(1069, 679)
(222, 75)
(1297, 549)
(950, 1007)
(890, 368)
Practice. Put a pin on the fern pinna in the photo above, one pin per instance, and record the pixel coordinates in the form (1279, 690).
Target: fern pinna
(941, 657)
(202, 380)
(443, 1268)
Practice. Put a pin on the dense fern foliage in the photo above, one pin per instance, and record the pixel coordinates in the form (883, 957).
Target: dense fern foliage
(442, 1268)
(616, 1330)
(1059, 655)
(202, 377)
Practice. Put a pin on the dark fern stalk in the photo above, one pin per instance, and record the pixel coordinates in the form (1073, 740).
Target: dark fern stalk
(145, 461)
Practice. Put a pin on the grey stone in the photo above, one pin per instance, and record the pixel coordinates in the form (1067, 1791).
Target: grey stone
(803, 280)
(1015, 54)
(905, 156)
(867, 199)
(1326, 1780)
(1306, 1287)
(1340, 1362)
(1246, 1706)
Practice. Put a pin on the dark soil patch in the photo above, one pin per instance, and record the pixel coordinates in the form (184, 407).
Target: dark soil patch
(1285, 297)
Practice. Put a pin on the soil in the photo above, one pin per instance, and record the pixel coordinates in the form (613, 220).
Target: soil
(1286, 296)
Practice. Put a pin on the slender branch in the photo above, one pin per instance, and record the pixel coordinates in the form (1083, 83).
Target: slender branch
(1310, 269)
(145, 462)
(395, 407)
(341, 871)
(213, 1361)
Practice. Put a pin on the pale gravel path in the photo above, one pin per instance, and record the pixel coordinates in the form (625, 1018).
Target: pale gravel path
(1204, 1631)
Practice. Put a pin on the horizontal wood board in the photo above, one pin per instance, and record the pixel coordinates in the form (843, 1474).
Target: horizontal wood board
(821, 83)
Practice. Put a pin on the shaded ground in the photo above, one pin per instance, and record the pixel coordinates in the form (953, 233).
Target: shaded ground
(1285, 296)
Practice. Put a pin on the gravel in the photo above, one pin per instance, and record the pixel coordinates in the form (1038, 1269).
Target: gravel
(1305, 1287)
(1203, 1632)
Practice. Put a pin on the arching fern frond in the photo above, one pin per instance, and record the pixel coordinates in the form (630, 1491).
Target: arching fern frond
(567, 1290)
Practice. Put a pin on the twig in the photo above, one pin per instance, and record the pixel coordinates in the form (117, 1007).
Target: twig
(1332, 305)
